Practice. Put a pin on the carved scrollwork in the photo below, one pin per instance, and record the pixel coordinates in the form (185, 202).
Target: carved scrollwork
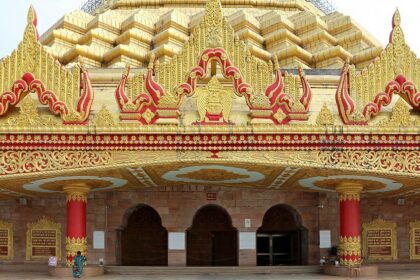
(385, 161)
(15, 162)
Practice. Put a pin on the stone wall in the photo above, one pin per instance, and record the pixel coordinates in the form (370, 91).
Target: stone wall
(177, 206)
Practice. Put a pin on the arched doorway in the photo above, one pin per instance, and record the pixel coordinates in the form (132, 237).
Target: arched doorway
(144, 241)
(212, 240)
(282, 240)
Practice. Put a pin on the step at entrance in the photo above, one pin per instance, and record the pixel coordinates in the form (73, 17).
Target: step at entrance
(141, 270)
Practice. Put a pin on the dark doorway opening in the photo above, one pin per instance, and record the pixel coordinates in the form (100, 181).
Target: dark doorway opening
(282, 240)
(212, 240)
(144, 241)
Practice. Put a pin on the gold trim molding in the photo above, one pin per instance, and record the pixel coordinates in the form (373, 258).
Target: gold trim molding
(9, 228)
(378, 225)
(43, 224)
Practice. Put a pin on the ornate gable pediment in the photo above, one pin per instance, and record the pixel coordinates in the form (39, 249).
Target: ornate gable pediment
(361, 95)
(68, 93)
(267, 93)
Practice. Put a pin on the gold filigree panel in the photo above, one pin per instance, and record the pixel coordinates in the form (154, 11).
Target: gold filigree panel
(415, 240)
(43, 239)
(380, 240)
(6, 240)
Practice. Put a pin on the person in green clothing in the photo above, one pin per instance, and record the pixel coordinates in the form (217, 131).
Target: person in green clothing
(79, 262)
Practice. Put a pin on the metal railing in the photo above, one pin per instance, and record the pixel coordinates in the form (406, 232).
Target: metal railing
(324, 5)
(91, 5)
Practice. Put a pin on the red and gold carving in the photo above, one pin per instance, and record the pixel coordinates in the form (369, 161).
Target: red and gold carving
(76, 239)
(68, 93)
(73, 245)
(361, 95)
(269, 96)
(350, 245)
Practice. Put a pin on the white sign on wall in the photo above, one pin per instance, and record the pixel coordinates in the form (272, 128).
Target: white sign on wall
(176, 241)
(324, 239)
(99, 240)
(247, 223)
(247, 240)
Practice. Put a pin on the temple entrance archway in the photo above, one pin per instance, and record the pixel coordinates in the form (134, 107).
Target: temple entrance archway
(212, 240)
(282, 240)
(144, 241)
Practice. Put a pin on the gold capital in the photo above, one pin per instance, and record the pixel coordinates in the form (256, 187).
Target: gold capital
(76, 191)
(349, 190)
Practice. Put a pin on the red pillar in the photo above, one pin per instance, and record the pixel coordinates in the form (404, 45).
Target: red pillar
(350, 241)
(76, 239)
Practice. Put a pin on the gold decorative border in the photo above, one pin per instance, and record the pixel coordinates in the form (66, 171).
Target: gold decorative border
(380, 224)
(42, 224)
(400, 163)
(350, 246)
(413, 227)
(73, 245)
(9, 227)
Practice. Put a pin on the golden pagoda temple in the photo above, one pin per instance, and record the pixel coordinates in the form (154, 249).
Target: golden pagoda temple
(210, 133)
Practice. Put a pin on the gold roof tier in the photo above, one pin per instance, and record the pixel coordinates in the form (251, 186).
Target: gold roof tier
(125, 32)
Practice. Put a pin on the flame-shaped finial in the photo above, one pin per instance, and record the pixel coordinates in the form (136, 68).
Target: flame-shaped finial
(32, 23)
(396, 19)
(32, 16)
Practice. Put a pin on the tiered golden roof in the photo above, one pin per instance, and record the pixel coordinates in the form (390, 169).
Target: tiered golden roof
(126, 31)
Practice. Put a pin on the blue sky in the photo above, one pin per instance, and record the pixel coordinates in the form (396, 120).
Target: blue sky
(374, 15)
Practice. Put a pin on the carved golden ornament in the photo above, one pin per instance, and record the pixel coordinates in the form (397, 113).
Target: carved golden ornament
(29, 116)
(43, 224)
(260, 101)
(349, 190)
(8, 227)
(214, 99)
(280, 116)
(378, 225)
(396, 59)
(415, 240)
(382, 161)
(56, 86)
(325, 117)
(14, 162)
(378, 162)
(76, 192)
(73, 245)
(104, 118)
(350, 246)
(213, 31)
(400, 116)
(148, 115)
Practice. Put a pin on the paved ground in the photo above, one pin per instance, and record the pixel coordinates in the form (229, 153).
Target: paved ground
(392, 275)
